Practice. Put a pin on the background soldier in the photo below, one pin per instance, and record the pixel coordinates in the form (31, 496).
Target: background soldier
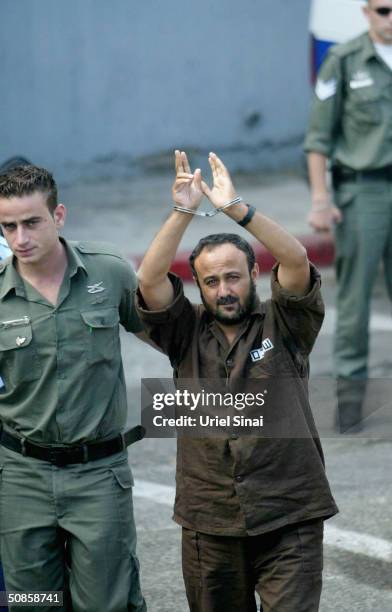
(351, 124)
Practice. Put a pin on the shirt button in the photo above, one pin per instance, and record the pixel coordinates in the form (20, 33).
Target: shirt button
(233, 437)
(239, 478)
(230, 362)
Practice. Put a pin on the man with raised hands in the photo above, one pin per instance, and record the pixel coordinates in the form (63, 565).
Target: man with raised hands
(251, 507)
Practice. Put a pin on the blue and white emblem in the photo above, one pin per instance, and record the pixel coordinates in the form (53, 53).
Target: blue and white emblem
(258, 354)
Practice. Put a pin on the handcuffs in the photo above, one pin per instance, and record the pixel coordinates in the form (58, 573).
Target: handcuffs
(210, 213)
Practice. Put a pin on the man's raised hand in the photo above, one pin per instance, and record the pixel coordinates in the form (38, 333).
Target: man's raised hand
(222, 189)
(187, 186)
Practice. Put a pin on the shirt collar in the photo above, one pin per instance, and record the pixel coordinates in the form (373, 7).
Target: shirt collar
(10, 278)
(369, 49)
(258, 308)
(74, 261)
(13, 281)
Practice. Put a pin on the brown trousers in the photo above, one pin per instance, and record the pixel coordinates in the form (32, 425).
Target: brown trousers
(284, 567)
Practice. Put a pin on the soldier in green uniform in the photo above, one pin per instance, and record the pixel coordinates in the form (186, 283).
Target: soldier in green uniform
(66, 487)
(351, 124)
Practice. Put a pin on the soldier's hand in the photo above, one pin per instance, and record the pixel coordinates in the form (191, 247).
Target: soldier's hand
(186, 190)
(223, 189)
(323, 219)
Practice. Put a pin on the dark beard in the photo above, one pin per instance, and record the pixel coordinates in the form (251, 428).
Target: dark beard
(243, 312)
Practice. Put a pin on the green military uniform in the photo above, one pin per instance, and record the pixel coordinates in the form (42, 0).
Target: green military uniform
(351, 123)
(62, 383)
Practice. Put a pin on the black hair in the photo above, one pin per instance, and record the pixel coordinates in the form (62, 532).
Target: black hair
(214, 240)
(27, 179)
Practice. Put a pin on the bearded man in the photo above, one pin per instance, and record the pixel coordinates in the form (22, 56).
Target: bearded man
(251, 507)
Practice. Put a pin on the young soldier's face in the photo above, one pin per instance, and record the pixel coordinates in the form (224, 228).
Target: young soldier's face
(30, 229)
(227, 288)
(380, 26)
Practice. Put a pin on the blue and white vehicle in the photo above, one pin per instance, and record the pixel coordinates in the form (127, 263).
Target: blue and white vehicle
(5, 251)
(331, 22)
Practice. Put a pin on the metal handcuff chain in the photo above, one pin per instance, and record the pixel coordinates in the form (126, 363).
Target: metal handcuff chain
(210, 213)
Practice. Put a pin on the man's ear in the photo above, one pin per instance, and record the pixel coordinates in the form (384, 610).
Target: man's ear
(366, 10)
(59, 215)
(255, 272)
(196, 281)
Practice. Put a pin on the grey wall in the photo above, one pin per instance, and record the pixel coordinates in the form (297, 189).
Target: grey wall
(119, 79)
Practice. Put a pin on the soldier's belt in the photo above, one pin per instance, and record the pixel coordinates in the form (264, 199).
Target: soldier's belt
(80, 453)
(341, 174)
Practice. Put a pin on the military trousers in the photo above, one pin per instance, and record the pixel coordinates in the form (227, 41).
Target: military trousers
(70, 525)
(284, 567)
(363, 240)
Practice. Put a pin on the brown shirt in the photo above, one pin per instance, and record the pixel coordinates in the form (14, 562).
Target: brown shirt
(246, 485)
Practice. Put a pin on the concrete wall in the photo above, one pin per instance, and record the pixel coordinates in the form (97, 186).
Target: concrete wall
(119, 80)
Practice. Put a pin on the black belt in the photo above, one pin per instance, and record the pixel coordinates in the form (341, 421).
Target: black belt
(341, 174)
(81, 453)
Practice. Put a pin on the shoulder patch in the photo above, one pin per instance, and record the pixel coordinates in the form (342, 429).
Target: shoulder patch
(3, 264)
(96, 248)
(347, 48)
(325, 89)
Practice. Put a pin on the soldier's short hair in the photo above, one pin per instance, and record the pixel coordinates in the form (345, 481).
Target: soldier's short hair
(27, 179)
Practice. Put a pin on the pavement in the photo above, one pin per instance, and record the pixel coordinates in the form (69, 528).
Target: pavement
(128, 212)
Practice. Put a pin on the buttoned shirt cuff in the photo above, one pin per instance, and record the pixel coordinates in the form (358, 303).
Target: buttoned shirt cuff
(172, 312)
(286, 298)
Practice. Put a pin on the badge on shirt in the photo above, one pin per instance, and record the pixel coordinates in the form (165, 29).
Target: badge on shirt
(258, 354)
(14, 322)
(360, 79)
(96, 288)
(325, 89)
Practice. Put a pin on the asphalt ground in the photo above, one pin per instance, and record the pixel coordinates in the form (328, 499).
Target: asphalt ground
(358, 550)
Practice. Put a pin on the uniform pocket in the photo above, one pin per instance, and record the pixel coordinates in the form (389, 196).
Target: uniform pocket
(191, 563)
(346, 231)
(19, 361)
(344, 196)
(101, 334)
(123, 475)
(310, 535)
(1, 498)
(122, 499)
(368, 113)
(364, 108)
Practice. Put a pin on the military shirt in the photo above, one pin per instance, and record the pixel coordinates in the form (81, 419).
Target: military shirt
(60, 366)
(244, 485)
(351, 116)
